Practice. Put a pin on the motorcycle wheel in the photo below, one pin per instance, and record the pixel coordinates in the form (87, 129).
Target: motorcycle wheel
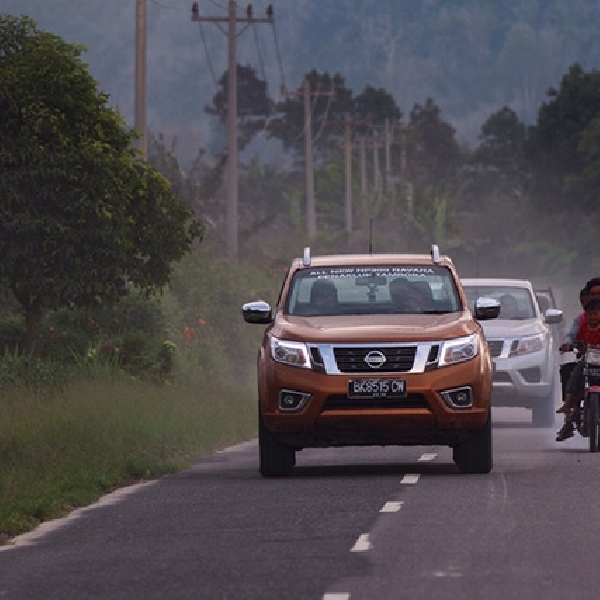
(593, 429)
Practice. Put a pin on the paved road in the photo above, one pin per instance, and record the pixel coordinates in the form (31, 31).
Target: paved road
(372, 523)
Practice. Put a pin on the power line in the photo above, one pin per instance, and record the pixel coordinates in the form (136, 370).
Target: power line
(219, 5)
(260, 59)
(155, 2)
(327, 108)
(208, 59)
(283, 86)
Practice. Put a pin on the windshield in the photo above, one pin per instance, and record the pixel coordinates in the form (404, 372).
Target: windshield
(515, 302)
(381, 289)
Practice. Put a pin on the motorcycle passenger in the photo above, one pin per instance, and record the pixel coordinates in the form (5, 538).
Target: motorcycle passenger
(570, 337)
(589, 335)
(593, 287)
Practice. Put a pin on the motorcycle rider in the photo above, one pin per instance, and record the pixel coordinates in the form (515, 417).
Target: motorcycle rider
(588, 334)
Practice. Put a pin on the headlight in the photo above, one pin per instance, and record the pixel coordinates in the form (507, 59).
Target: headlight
(592, 356)
(459, 350)
(526, 345)
(290, 353)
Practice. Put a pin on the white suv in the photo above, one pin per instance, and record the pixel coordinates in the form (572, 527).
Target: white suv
(521, 346)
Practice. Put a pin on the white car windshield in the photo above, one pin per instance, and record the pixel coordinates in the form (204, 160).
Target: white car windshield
(381, 289)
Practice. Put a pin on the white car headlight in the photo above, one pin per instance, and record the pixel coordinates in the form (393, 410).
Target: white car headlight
(526, 345)
(459, 350)
(290, 353)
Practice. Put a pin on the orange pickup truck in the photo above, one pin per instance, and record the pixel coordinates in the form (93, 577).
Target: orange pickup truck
(373, 349)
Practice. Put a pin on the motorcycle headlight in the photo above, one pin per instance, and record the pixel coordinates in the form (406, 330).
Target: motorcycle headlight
(592, 356)
(290, 353)
(459, 350)
(526, 345)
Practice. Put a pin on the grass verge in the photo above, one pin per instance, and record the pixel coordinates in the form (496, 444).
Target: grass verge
(65, 450)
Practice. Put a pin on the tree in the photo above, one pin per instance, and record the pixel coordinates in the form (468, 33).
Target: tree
(498, 164)
(501, 141)
(378, 104)
(433, 153)
(254, 105)
(81, 213)
(561, 145)
(330, 100)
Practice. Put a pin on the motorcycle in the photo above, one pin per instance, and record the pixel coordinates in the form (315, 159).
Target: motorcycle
(586, 415)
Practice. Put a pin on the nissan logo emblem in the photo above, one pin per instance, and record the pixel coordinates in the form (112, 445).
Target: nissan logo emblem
(375, 359)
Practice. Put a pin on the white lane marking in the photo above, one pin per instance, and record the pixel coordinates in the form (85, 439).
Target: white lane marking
(390, 507)
(362, 544)
(338, 596)
(410, 479)
(447, 574)
(239, 447)
(427, 456)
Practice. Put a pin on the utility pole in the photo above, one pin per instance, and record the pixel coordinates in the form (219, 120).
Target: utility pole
(363, 166)
(363, 173)
(388, 160)
(402, 156)
(139, 119)
(306, 94)
(348, 172)
(311, 212)
(376, 175)
(347, 124)
(232, 20)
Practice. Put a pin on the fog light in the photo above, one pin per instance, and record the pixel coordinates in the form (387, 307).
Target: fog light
(290, 401)
(458, 397)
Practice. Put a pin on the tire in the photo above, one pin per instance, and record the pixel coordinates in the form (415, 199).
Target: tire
(475, 454)
(593, 421)
(274, 458)
(543, 414)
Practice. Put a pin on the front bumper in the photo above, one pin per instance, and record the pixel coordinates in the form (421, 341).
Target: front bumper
(330, 418)
(522, 381)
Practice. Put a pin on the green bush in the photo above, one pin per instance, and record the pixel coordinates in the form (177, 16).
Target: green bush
(12, 331)
(137, 352)
(31, 372)
(204, 311)
(199, 319)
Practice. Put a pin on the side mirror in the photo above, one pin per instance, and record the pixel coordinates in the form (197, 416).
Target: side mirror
(257, 312)
(486, 308)
(552, 316)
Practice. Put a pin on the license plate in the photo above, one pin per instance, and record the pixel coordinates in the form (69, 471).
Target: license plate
(376, 388)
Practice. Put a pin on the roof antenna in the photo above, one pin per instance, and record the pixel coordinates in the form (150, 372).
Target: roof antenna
(371, 235)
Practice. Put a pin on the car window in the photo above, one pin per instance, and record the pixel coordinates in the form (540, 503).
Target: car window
(515, 302)
(377, 289)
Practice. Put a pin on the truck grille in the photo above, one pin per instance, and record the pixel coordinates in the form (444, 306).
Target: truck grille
(341, 401)
(398, 359)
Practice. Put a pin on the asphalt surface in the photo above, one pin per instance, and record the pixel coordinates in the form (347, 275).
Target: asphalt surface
(349, 524)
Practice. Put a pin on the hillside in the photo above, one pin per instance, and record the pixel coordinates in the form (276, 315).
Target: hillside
(471, 56)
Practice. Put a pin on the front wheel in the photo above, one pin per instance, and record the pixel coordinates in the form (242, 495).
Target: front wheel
(475, 454)
(543, 413)
(275, 459)
(593, 429)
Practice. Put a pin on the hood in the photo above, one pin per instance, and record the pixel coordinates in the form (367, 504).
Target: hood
(505, 328)
(373, 328)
